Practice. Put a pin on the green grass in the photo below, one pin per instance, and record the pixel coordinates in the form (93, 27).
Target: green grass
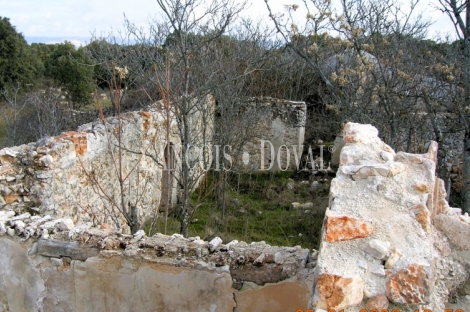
(258, 207)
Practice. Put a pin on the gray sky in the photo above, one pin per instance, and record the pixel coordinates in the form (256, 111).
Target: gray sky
(75, 20)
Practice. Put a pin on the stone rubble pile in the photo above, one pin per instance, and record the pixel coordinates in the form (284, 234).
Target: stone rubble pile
(389, 238)
(27, 226)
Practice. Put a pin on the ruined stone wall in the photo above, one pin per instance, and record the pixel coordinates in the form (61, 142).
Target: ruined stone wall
(75, 175)
(389, 238)
(451, 147)
(87, 269)
(282, 123)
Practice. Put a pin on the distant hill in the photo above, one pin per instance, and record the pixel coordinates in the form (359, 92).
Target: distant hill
(77, 41)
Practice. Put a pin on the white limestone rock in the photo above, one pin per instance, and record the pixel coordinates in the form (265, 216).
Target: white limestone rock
(6, 215)
(19, 226)
(362, 264)
(306, 205)
(214, 243)
(22, 216)
(64, 224)
(387, 156)
(48, 225)
(393, 259)
(232, 243)
(3, 229)
(79, 230)
(377, 248)
(10, 231)
(8, 152)
(46, 160)
(139, 235)
(378, 270)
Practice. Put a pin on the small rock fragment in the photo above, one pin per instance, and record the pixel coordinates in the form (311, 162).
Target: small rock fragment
(421, 187)
(379, 303)
(139, 235)
(64, 224)
(362, 264)
(260, 260)
(422, 216)
(314, 254)
(386, 156)
(56, 261)
(378, 270)
(19, 226)
(46, 160)
(377, 248)
(216, 241)
(393, 259)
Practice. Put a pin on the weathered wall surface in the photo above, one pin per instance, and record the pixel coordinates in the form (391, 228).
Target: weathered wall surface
(282, 123)
(389, 237)
(74, 175)
(138, 273)
(450, 148)
(380, 247)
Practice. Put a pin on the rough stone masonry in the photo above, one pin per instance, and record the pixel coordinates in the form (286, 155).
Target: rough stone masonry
(389, 238)
(389, 241)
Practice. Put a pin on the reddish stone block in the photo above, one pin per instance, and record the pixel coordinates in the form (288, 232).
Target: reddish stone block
(379, 302)
(10, 198)
(146, 120)
(422, 216)
(337, 292)
(408, 286)
(79, 139)
(346, 228)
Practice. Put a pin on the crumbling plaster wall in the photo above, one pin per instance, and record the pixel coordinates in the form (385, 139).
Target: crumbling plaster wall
(282, 123)
(389, 239)
(75, 175)
(159, 273)
(54, 175)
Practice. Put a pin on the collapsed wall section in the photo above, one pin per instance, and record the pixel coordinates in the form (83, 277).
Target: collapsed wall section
(89, 269)
(379, 247)
(79, 174)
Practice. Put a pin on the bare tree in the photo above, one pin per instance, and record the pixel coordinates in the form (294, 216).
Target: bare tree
(367, 71)
(12, 114)
(459, 13)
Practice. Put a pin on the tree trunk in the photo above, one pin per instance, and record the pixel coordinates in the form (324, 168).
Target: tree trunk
(186, 174)
(466, 173)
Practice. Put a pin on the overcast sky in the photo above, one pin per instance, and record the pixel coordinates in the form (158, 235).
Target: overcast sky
(75, 20)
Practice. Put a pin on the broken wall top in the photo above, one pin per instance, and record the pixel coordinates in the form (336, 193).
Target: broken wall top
(378, 240)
